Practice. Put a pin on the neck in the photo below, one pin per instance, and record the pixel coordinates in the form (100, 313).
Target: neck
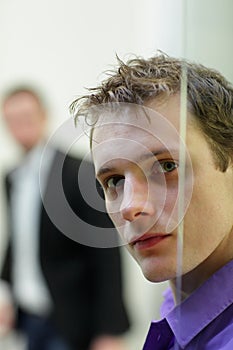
(190, 281)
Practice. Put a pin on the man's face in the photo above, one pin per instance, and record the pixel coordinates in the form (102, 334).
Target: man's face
(140, 176)
(25, 119)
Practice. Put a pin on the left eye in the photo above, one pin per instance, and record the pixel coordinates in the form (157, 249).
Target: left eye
(165, 166)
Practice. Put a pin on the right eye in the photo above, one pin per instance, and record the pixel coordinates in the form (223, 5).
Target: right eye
(114, 182)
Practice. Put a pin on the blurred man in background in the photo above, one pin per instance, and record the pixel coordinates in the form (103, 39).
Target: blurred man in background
(64, 293)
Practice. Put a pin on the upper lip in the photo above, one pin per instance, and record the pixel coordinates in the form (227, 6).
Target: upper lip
(146, 236)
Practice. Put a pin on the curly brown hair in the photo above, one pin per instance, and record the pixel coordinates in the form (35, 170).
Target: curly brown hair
(209, 94)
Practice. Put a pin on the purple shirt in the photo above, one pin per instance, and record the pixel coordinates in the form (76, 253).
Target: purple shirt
(204, 321)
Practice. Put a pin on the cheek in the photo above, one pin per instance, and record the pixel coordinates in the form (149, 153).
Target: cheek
(113, 212)
(171, 199)
(25, 131)
(209, 218)
(169, 216)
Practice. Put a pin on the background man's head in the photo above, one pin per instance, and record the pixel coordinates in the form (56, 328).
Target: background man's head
(25, 116)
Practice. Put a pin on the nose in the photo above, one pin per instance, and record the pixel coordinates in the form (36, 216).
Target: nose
(136, 200)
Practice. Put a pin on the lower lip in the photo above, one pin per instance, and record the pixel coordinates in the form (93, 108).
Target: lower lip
(149, 242)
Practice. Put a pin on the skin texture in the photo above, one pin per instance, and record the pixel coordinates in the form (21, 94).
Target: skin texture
(141, 196)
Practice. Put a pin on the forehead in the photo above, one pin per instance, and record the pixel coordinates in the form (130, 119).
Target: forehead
(134, 130)
(21, 100)
(154, 116)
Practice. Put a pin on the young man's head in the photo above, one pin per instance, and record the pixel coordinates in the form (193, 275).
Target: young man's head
(25, 116)
(135, 116)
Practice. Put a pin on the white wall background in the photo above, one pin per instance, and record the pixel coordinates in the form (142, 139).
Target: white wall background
(63, 45)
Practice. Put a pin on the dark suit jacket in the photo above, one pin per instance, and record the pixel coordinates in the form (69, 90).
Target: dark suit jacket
(85, 282)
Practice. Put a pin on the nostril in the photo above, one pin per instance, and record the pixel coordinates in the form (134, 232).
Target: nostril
(141, 213)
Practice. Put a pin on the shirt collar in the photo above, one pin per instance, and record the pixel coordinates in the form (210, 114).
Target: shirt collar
(202, 306)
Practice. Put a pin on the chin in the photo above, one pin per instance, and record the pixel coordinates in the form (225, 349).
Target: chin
(157, 271)
(158, 275)
(156, 278)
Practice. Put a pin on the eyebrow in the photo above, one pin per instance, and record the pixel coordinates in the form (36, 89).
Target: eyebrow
(105, 170)
(155, 154)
